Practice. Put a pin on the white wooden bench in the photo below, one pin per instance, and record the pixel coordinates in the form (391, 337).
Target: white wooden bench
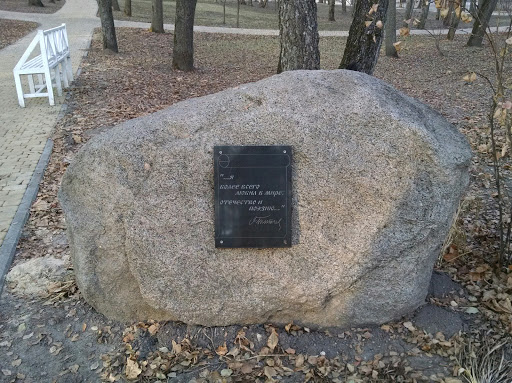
(52, 63)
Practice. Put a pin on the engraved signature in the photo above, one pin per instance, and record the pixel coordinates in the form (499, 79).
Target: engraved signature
(265, 221)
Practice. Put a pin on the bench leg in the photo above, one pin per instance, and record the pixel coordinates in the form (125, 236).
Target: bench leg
(70, 68)
(58, 80)
(19, 90)
(40, 83)
(31, 83)
(49, 87)
(65, 74)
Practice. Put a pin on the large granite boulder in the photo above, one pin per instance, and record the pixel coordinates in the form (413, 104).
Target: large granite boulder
(377, 177)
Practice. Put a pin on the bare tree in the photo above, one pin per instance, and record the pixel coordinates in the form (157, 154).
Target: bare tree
(448, 18)
(128, 7)
(344, 6)
(472, 7)
(238, 13)
(390, 30)
(481, 22)
(107, 25)
(408, 13)
(425, 7)
(455, 18)
(115, 5)
(365, 36)
(157, 20)
(298, 32)
(354, 5)
(331, 10)
(183, 50)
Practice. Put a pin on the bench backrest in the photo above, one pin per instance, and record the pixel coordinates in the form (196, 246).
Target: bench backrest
(54, 43)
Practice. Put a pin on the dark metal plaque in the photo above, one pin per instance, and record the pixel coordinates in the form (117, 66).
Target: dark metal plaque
(253, 189)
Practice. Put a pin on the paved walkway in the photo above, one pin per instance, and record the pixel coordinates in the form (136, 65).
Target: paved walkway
(24, 131)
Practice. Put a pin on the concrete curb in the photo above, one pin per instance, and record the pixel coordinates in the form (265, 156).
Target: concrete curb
(8, 248)
(86, 53)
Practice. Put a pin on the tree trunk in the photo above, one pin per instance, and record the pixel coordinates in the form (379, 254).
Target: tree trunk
(344, 6)
(451, 11)
(472, 8)
(128, 7)
(224, 10)
(183, 50)
(157, 20)
(425, 7)
(481, 23)
(238, 13)
(455, 20)
(37, 3)
(331, 10)
(390, 30)
(107, 25)
(298, 32)
(363, 43)
(408, 13)
(263, 3)
(115, 5)
(354, 5)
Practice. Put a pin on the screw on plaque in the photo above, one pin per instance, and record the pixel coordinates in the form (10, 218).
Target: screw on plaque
(284, 151)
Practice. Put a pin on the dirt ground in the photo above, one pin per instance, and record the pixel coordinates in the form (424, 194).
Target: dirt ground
(13, 30)
(58, 337)
(22, 6)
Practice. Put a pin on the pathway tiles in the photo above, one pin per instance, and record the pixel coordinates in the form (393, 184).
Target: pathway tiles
(24, 131)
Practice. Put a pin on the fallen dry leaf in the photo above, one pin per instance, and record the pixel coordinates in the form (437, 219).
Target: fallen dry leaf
(132, 369)
(409, 326)
(404, 31)
(153, 329)
(273, 340)
(222, 350)
(269, 372)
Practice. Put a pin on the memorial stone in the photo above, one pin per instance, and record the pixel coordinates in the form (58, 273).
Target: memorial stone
(377, 177)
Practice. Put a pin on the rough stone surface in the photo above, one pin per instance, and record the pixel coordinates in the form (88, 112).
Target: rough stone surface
(442, 286)
(32, 278)
(435, 319)
(377, 177)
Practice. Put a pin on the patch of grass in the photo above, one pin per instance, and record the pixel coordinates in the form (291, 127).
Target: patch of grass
(211, 13)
